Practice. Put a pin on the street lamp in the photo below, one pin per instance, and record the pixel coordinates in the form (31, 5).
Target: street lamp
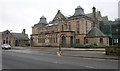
(60, 44)
(31, 41)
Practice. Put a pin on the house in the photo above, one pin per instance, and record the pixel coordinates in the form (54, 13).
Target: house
(67, 31)
(96, 37)
(15, 39)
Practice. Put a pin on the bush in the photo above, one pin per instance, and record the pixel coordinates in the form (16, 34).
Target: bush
(89, 46)
(79, 46)
(46, 45)
(112, 50)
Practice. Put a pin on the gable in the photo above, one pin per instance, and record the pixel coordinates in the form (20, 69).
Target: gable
(58, 16)
(98, 15)
(6, 33)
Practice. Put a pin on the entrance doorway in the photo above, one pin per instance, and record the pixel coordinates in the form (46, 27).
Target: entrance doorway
(71, 41)
(63, 41)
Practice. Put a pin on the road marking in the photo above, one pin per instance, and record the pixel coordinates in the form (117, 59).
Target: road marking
(21, 51)
(100, 59)
(90, 67)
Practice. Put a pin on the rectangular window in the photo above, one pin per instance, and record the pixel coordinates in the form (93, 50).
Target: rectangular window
(115, 40)
(101, 40)
(78, 26)
(69, 27)
(66, 26)
(41, 40)
(55, 39)
(77, 41)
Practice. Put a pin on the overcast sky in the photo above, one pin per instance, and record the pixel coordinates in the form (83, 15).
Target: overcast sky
(16, 15)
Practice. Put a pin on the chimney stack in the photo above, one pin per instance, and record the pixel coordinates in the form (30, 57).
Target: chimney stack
(23, 32)
(94, 16)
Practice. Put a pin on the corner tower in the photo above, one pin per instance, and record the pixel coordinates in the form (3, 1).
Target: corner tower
(79, 11)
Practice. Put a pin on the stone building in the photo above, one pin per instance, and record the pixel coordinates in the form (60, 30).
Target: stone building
(14, 39)
(66, 31)
(96, 37)
(0, 38)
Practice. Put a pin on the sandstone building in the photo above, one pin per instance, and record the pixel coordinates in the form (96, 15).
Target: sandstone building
(14, 39)
(80, 28)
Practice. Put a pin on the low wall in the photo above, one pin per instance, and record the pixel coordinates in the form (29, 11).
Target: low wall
(114, 50)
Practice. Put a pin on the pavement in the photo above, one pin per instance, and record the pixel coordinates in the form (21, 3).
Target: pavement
(98, 53)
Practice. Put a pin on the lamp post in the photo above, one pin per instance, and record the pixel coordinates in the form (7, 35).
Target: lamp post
(31, 39)
(60, 44)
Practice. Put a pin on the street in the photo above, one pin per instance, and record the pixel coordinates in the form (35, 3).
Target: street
(26, 59)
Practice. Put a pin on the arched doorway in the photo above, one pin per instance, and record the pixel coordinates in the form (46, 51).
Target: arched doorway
(63, 41)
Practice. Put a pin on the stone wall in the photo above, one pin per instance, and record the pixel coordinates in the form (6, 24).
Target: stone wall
(97, 41)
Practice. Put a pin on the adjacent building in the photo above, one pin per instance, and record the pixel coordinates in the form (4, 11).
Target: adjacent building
(68, 31)
(14, 39)
(115, 29)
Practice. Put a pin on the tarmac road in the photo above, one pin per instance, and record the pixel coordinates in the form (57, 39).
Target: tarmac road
(25, 59)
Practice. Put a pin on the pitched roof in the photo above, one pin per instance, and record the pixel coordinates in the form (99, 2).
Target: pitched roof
(105, 19)
(91, 14)
(20, 36)
(94, 32)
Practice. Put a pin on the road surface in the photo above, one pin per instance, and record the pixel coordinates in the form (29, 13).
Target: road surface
(25, 59)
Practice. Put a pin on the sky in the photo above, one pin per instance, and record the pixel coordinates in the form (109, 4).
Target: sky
(16, 15)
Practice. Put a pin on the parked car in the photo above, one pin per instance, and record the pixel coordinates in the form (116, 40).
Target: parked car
(6, 46)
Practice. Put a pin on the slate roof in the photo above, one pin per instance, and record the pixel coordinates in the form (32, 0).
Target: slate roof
(94, 32)
(20, 36)
(105, 19)
(42, 22)
(79, 11)
(91, 14)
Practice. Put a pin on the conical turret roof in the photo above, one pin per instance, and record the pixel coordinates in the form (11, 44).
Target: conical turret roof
(95, 32)
(79, 11)
(42, 20)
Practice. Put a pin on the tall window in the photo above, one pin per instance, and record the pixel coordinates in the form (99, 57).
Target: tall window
(55, 38)
(66, 26)
(62, 27)
(78, 26)
(69, 26)
(6, 40)
(3, 41)
(86, 40)
(101, 40)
